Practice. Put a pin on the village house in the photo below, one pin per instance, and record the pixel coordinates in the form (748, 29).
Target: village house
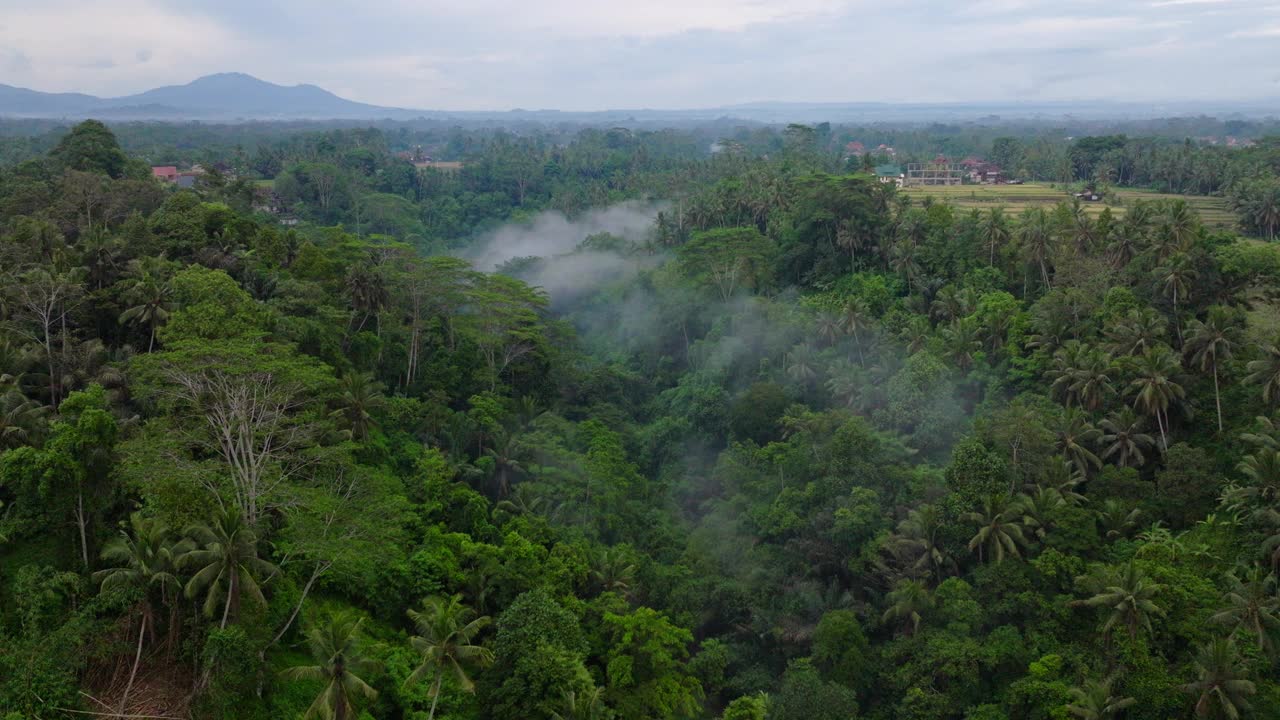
(167, 173)
(889, 173)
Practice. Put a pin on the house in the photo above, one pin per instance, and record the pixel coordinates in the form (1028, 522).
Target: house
(883, 149)
(986, 173)
(889, 173)
(167, 173)
(854, 149)
(1089, 196)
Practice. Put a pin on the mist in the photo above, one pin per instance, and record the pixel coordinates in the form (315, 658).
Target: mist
(551, 233)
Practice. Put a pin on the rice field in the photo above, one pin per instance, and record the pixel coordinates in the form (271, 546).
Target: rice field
(1015, 198)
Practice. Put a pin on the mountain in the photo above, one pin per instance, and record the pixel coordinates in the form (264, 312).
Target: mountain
(221, 96)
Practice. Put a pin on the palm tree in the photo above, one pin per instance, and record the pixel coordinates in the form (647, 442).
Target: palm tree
(1265, 371)
(1037, 240)
(1117, 519)
(335, 647)
(951, 303)
(20, 420)
(1091, 380)
(1178, 227)
(585, 706)
(999, 529)
(828, 328)
(227, 565)
(904, 261)
(1074, 439)
(962, 343)
(855, 316)
(506, 449)
(1095, 701)
(1130, 598)
(445, 643)
(1222, 688)
(908, 600)
(1137, 331)
(920, 535)
(1252, 606)
(1210, 343)
(802, 364)
(145, 559)
(1123, 439)
(361, 396)
(611, 571)
(150, 304)
(1176, 278)
(995, 232)
(1154, 389)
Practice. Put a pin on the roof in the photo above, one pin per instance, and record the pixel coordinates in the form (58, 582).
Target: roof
(159, 170)
(888, 170)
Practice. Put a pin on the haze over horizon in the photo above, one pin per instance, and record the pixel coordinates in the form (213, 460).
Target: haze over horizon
(498, 54)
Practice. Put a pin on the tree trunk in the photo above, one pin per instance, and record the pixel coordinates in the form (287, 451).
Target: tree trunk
(232, 587)
(1217, 396)
(435, 695)
(137, 658)
(81, 521)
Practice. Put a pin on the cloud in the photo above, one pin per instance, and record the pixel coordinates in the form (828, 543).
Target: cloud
(573, 55)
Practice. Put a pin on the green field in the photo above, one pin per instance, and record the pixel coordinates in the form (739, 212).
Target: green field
(1014, 198)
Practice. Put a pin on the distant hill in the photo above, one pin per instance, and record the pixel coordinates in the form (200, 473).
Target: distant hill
(221, 96)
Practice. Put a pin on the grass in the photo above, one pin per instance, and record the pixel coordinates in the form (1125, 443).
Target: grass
(1213, 211)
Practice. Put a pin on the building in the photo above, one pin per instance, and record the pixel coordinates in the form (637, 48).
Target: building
(854, 149)
(167, 173)
(889, 173)
(443, 165)
(938, 172)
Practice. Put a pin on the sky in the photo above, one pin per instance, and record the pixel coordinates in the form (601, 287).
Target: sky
(607, 54)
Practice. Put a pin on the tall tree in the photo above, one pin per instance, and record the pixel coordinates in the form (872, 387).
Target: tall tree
(336, 649)
(445, 644)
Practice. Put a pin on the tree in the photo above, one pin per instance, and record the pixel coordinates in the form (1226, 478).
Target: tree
(1155, 388)
(1265, 371)
(1131, 599)
(1211, 343)
(999, 530)
(1123, 439)
(447, 630)
(729, 258)
(227, 566)
(335, 647)
(1222, 688)
(90, 147)
(1037, 240)
(360, 396)
(995, 232)
(146, 559)
(646, 668)
(1252, 606)
(1095, 701)
(920, 537)
(908, 601)
(1176, 277)
(152, 305)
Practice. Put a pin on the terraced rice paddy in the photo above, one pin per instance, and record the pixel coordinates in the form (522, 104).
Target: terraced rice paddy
(1015, 198)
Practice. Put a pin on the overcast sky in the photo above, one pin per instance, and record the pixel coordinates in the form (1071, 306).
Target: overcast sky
(501, 54)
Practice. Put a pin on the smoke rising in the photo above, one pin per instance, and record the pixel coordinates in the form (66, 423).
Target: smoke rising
(551, 233)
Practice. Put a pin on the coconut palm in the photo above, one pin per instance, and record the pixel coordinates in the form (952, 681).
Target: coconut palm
(1036, 237)
(587, 705)
(802, 364)
(150, 304)
(445, 643)
(828, 328)
(1155, 388)
(1210, 343)
(995, 232)
(360, 395)
(1095, 700)
(1123, 440)
(1137, 331)
(335, 647)
(612, 571)
(1000, 531)
(1091, 380)
(1252, 606)
(1222, 688)
(1176, 278)
(1075, 438)
(1130, 597)
(21, 420)
(226, 564)
(951, 303)
(145, 560)
(1117, 519)
(855, 318)
(908, 601)
(1265, 371)
(962, 343)
(920, 538)
(905, 261)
